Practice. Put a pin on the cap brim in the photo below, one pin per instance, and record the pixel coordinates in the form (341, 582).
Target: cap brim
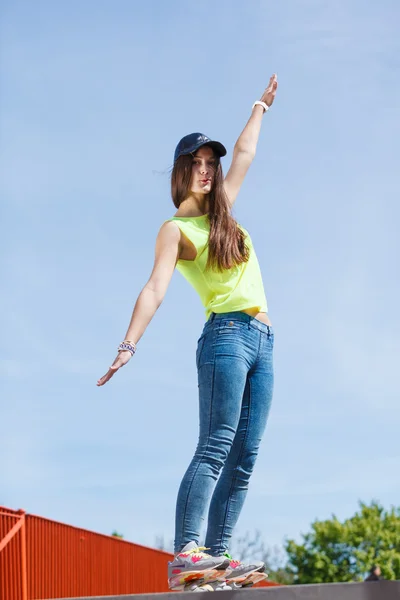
(216, 146)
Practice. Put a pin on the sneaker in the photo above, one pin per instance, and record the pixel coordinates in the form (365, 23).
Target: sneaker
(238, 571)
(190, 565)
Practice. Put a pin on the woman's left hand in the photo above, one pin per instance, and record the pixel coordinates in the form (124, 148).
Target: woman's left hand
(270, 92)
(123, 357)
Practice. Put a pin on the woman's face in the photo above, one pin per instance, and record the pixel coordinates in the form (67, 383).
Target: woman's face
(203, 171)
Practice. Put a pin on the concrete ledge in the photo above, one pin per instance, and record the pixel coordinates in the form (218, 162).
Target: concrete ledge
(372, 590)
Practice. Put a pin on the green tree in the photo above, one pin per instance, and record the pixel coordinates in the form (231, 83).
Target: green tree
(117, 535)
(335, 551)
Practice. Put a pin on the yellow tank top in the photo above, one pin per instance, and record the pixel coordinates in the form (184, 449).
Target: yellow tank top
(235, 289)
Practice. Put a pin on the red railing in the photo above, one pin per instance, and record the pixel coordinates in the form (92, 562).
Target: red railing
(42, 559)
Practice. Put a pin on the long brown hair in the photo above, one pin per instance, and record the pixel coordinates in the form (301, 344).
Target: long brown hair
(226, 243)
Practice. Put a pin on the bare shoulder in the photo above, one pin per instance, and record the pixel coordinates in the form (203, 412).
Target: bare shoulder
(169, 228)
(169, 233)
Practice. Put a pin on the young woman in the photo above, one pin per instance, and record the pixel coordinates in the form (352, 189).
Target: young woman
(234, 353)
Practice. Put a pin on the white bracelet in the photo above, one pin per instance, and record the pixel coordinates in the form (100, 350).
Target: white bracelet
(261, 103)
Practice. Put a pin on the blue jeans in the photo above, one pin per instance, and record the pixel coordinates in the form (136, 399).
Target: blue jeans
(235, 375)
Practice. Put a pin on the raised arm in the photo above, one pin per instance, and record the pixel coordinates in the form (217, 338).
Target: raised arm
(245, 147)
(152, 295)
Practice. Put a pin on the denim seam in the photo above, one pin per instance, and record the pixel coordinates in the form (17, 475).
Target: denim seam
(202, 342)
(205, 450)
(259, 346)
(234, 479)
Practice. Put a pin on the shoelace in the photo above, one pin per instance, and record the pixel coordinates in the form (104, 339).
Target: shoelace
(233, 562)
(197, 550)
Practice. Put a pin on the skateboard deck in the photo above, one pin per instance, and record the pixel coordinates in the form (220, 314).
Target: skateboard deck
(251, 579)
(177, 582)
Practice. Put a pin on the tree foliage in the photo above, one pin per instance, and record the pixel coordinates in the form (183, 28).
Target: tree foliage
(345, 551)
(117, 535)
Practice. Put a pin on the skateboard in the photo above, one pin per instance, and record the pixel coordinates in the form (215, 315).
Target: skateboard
(188, 580)
(191, 580)
(249, 580)
(179, 581)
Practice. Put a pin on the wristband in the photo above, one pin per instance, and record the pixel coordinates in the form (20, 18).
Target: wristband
(130, 346)
(260, 103)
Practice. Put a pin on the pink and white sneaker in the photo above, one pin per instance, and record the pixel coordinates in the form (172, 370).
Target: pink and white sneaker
(238, 572)
(191, 565)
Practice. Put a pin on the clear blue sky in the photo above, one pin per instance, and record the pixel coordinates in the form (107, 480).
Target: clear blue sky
(95, 95)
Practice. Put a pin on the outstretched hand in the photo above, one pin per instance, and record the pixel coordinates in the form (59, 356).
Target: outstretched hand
(123, 357)
(270, 92)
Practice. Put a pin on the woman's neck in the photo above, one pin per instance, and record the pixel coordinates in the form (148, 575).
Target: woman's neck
(194, 206)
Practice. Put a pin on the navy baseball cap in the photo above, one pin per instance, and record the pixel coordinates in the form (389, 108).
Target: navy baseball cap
(192, 142)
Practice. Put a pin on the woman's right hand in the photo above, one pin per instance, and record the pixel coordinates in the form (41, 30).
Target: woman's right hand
(270, 92)
(123, 357)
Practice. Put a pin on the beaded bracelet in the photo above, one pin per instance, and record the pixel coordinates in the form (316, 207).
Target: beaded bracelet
(127, 345)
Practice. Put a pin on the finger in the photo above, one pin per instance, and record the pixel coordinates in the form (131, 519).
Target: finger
(107, 376)
(271, 89)
(272, 84)
(103, 380)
